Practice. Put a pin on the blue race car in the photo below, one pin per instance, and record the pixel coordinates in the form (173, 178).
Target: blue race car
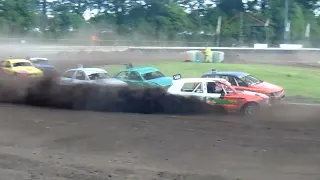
(42, 64)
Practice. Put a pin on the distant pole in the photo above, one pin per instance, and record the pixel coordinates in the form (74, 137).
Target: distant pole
(286, 21)
(218, 32)
(307, 34)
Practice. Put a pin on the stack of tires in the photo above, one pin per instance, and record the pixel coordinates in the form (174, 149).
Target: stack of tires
(194, 56)
(198, 56)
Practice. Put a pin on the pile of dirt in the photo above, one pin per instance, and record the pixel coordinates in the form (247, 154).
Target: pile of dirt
(45, 92)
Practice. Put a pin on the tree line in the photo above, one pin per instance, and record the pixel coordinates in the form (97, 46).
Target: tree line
(242, 22)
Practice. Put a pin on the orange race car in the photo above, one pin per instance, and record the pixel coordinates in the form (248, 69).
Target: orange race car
(245, 81)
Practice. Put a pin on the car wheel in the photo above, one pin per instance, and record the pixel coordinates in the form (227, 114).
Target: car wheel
(250, 109)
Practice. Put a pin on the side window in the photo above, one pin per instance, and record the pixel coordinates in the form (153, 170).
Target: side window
(68, 74)
(135, 76)
(195, 87)
(6, 64)
(241, 83)
(233, 81)
(123, 75)
(223, 77)
(213, 87)
(80, 75)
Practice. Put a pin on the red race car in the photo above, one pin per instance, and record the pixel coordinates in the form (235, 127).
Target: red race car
(245, 81)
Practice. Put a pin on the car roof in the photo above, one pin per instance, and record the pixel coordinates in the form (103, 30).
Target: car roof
(17, 60)
(143, 70)
(38, 58)
(90, 70)
(238, 74)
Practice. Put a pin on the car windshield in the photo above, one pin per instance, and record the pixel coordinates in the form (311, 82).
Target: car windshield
(152, 75)
(21, 64)
(96, 76)
(251, 80)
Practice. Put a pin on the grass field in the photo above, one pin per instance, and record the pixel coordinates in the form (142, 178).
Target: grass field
(296, 81)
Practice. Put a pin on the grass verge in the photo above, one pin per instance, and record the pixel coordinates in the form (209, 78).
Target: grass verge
(296, 81)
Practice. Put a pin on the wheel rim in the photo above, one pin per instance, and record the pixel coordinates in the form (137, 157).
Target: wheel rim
(250, 110)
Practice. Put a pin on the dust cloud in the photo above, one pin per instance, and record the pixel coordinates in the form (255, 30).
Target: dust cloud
(45, 92)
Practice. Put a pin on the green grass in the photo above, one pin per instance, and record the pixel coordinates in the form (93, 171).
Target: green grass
(296, 81)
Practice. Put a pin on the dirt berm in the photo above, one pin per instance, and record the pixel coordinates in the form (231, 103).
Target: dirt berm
(147, 100)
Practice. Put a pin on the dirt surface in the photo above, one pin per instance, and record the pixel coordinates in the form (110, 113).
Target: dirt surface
(60, 144)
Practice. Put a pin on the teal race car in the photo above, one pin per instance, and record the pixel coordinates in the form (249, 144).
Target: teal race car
(144, 76)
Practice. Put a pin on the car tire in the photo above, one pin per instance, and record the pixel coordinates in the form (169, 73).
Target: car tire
(250, 109)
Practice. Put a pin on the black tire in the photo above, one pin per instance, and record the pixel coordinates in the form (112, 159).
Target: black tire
(250, 109)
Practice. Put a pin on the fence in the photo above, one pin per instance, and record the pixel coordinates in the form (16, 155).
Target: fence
(88, 42)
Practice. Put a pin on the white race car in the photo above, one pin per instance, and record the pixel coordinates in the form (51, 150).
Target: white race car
(89, 75)
(218, 91)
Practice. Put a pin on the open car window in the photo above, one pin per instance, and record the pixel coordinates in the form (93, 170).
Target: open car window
(135, 76)
(152, 75)
(68, 74)
(195, 87)
(249, 79)
(123, 75)
(96, 76)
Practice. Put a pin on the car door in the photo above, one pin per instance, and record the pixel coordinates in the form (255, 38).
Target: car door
(229, 98)
(67, 77)
(211, 96)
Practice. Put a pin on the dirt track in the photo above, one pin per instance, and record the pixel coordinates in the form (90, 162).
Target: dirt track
(40, 143)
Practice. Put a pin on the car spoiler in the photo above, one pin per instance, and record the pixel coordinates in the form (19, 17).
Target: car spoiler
(176, 76)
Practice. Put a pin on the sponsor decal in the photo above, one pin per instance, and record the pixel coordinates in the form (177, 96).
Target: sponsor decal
(211, 100)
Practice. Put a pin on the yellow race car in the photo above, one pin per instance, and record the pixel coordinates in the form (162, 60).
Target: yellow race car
(20, 67)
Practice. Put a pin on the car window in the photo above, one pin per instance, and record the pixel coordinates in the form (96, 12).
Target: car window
(249, 79)
(123, 75)
(96, 76)
(214, 88)
(225, 88)
(152, 75)
(233, 81)
(135, 76)
(195, 87)
(18, 64)
(6, 64)
(68, 74)
(80, 75)
(241, 82)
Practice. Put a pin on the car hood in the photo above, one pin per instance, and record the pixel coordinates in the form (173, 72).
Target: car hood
(111, 81)
(163, 81)
(27, 69)
(267, 86)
